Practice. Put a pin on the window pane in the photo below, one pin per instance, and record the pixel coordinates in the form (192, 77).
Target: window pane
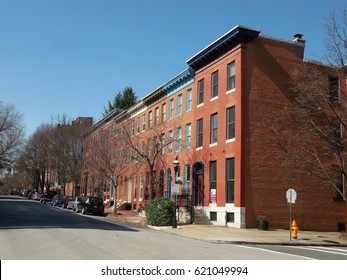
(214, 128)
(199, 130)
(231, 76)
(214, 84)
(201, 91)
(189, 100)
(230, 179)
(231, 123)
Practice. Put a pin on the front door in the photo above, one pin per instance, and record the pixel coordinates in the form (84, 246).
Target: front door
(198, 184)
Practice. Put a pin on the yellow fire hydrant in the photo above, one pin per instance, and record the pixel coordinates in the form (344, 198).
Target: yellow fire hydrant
(294, 229)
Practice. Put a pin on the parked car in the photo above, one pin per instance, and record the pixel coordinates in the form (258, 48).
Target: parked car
(90, 204)
(57, 200)
(66, 200)
(72, 204)
(47, 196)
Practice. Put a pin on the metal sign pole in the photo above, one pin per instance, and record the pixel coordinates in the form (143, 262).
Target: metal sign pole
(290, 217)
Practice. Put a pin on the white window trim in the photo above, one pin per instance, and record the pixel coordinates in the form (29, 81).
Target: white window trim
(231, 90)
(230, 140)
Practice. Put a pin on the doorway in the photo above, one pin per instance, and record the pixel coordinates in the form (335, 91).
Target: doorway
(198, 184)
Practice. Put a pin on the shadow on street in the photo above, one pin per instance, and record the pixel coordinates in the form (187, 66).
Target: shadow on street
(21, 213)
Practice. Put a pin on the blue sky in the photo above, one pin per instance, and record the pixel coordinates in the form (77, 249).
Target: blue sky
(72, 56)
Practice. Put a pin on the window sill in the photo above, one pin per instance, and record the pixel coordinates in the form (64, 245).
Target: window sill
(214, 98)
(231, 91)
(213, 145)
(200, 105)
(198, 148)
(230, 140)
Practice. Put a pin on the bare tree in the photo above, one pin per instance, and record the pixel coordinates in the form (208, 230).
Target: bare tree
(147, 148)
(65, 150)
(36, 159)
(11, 134)
(106, 159)
(310, 132)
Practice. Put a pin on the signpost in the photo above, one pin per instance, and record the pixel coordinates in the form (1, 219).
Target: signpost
(291, 197)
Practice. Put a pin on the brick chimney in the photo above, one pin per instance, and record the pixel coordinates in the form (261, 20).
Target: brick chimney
(298, 38)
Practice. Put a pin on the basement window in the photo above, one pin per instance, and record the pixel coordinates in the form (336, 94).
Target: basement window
(230, 216)
(213, 216)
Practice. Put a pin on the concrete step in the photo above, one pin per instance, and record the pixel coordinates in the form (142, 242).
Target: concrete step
(200, 217)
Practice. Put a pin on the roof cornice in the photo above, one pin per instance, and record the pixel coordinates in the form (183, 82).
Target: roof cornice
(181, 80)
(229, 40)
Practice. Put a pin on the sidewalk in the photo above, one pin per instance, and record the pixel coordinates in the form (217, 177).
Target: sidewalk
(219, 234)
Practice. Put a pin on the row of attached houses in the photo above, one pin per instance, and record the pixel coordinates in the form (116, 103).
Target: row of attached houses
(202, 126)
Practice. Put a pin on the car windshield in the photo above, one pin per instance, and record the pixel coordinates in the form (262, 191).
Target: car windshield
(95, 200)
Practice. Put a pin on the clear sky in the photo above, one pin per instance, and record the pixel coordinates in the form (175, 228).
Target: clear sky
(72, 56)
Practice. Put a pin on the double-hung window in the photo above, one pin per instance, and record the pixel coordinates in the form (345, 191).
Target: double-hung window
(213, 181)
(171, 108)
(201, 92)
(230, 123)
(143, 122)
(199, 133)
(231, 76)
(188, 136)
(169, 142)
(214, 89)
(189, 100)
(178, 139)
(179, 105)
(230, 180)
(163, 112)
(214, 128)
(150, 119)
(156, 117)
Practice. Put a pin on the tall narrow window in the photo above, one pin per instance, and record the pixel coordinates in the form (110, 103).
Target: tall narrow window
(163, 112)
(178, 139)
(141, 186)
(188, 136)
(201, 92)
(213, 181)
(199, 133)
(214, 84)
(231, 76)
(162, 143)
(230, 180)
(334, 89)
(186, 178)
(156, 117)
(169, 142)
(230, 123)
(214, 128)
(143, 122)
(135, 187)
(179, 105)
(150, 119)
(138, 125)
(171, 108)
(189, 100)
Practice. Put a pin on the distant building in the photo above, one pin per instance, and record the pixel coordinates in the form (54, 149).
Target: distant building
(207, 116)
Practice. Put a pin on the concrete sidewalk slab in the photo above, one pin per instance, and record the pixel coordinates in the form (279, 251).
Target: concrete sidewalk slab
(218, 234)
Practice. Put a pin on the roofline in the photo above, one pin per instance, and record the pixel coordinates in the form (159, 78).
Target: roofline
(238, 33)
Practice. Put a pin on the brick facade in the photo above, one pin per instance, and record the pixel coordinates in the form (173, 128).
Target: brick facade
(261, 84)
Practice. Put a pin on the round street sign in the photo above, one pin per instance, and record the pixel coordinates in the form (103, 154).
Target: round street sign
(291, 196)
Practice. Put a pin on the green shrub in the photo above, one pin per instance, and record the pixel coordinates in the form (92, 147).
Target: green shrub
(160, 211)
